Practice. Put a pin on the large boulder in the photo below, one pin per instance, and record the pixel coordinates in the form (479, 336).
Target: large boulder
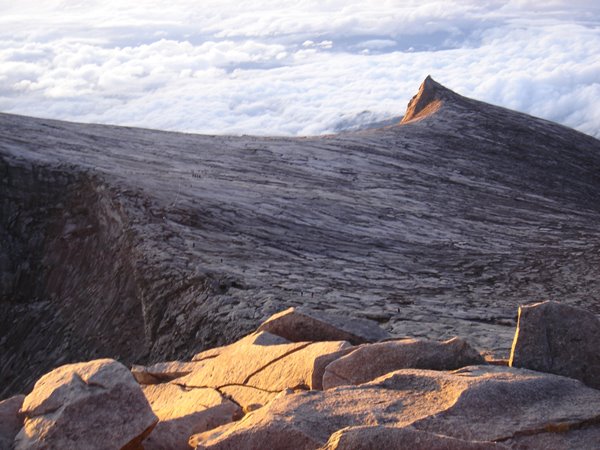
(557, 338)
(391, 438)
(256, 368)
(10, 421)
(92, 405)
(184, 412)
(370, 361)
(477, 403)
(302, 324)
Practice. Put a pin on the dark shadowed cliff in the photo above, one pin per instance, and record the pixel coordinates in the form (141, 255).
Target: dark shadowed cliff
(146, 245)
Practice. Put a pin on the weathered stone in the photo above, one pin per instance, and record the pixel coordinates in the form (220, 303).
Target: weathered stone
(162, 372)
(240, 360)
(259, 341)
(92, 405)
(556, 338)
(303, 368)
(370, 361)
(213, 352)
(585, 438)
(502, 402)
(257, 367)
(10, 422)
(477, 403)
(391, 438)
(184, 412)
(301, 324)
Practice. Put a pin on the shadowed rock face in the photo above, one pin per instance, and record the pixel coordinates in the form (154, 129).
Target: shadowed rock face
(556, 338)
(147, 245)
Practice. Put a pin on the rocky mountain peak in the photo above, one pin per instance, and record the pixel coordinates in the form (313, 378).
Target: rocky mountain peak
(428, 100)
(182, 243)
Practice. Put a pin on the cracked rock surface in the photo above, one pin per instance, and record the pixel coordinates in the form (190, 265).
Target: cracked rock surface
(476, 403)
(183, 412)
(264, 391)
(259, 366)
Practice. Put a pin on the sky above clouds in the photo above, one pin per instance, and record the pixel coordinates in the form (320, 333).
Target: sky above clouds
(293, 68)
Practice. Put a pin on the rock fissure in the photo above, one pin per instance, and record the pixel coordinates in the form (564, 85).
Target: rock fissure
(279, 358)
(220, 387)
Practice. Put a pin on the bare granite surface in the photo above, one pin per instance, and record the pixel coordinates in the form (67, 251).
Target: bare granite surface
(145, 245)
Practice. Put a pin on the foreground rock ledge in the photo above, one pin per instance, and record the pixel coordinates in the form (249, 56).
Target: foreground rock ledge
(478, 403)
(265, 391)
(93, 405)
(371, 361)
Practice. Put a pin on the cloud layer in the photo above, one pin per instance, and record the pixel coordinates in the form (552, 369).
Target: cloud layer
(293, 68)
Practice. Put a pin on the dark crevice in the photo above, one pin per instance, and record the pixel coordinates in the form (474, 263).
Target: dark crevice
(67, 275)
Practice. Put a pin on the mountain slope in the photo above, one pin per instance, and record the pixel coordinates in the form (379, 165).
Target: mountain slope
(147, 245)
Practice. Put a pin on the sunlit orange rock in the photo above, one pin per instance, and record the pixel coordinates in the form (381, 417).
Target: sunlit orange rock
(183, 412)
(92, 405)
(259, 366)
(370, 361)
(302, 324)
(477, 403)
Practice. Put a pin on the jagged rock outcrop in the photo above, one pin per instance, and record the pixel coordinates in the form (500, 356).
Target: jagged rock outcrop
(302, 324)
(557, 338)
(183, 412)
(93, 405)
(10, 421)
(264, 391)
(427, 101)
(371, 361)
(478, 403)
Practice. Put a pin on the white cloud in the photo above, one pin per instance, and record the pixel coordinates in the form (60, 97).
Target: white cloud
(303, 67)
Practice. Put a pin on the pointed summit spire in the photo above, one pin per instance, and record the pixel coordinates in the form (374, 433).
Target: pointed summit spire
(427, 101)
